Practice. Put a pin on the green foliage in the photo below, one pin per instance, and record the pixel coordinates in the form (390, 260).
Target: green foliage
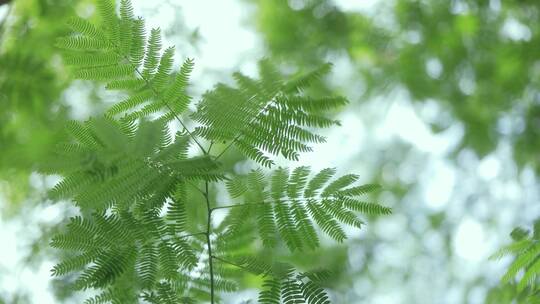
(135, 184)
(508, 294)
(114, 243)
(526, 250)
(110, 163)
(293, 288)
(119, 54)
(462, 56)
(269, 114)
(469, 65)
(30, 93)
(289, 205)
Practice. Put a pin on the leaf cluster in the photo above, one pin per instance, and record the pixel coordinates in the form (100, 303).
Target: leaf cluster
(526, 250)
(134, 181)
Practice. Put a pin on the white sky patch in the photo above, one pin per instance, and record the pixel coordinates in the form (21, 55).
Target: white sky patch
(467, 85)
(434, 67)
(225, 38)
(469, 241)
(342, 144)
(225, 44)
(489, 167)
(364, 6)
(9, 254)
(515, 30)
(22, 277)
(3, 11)
(388, 297)
(438, 185)
(390, 228)
(76, 97)
(405, 123)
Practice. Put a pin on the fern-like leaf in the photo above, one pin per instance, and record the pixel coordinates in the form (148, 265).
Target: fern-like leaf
(526, 249)
(118, 53)
(259, 118)
(293, 205)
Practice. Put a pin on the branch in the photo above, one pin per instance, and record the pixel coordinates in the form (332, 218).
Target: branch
(196, 188)
(304, 201)
(232, 263)
(166, 239)
(209, 244)
(148, 83)
(241, 205)
(169, 107)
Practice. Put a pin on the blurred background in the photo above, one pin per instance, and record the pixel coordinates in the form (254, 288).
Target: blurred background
(444, 112)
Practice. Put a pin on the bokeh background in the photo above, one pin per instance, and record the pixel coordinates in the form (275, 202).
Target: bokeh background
(444, 112)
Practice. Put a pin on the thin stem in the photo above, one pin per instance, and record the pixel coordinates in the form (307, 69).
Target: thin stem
(172, 111)
(232, 263)
(239, 205)
(165, 102)
(304, 201)
(237, 137)
(227, 147)
(196, 188)
(208, 244)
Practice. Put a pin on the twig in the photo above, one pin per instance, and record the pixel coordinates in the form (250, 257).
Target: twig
(239, 205)
(165, 102)
(195, 186)
(232, 263)
(237, 137)
(208, 243)
(172, 111)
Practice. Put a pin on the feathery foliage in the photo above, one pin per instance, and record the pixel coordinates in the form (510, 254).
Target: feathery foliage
(526, 250)
(266, 116)
(142, 192)
(120, 54)
(289, 205)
